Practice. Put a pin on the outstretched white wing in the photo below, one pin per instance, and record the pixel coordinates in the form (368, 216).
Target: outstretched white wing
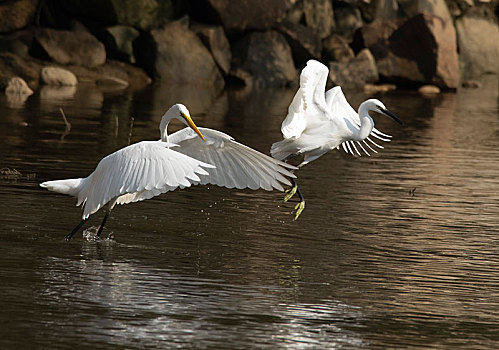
(340, 108)
(137, 172)
(310, 94)
(236, 165)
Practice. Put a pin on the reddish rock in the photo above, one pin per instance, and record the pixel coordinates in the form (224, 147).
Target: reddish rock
(264, 60)
(421, 50)
(69, 47)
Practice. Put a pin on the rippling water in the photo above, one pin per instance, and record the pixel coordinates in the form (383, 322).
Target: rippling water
(399, 250)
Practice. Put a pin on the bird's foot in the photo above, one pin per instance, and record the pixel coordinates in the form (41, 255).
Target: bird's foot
(299, 208)
(290, 193)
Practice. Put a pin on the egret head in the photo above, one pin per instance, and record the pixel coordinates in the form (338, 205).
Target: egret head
(378, 106)
(180, 112)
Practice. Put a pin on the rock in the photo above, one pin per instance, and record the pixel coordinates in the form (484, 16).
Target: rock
(264, 60)
(429, 90)
(144, 14)
(319, 16)
(478, 41)
(336, 48)
(305, 43)
(134, 76)
(213, 37)
(112, 81)
(66, 47)
(355, 73)
(12, 65)
(119, 42)
(16, 14)
(14, 45)
(347, 20)
(411, 8)
(247, 14)
(58, 76)
(471, 84)
(17, 85)
(379, 88)
(419, 50)
(176, 55)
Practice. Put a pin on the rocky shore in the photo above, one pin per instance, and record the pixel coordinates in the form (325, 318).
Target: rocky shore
(379, 44)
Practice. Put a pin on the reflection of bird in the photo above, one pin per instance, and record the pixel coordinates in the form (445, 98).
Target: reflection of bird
(148, 168)
(318, 122)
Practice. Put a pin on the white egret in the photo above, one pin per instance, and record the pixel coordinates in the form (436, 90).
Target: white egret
(148, 168)
(318, 122)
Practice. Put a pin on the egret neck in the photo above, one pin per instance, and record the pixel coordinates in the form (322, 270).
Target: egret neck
(366, 122)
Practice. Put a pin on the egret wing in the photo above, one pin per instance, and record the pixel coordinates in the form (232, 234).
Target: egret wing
(310, 94)
(340, 108)
(236, 165)
(137, 172)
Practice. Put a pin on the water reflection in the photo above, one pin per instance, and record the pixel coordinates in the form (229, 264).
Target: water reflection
(396, 250)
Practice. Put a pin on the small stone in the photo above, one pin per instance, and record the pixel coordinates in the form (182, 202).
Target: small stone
(58, 77)
(471, 84)
(381, 88)
(429, 90)
(17, 85)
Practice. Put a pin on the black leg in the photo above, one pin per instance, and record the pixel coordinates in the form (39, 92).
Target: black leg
(102, 224)
(68, 237)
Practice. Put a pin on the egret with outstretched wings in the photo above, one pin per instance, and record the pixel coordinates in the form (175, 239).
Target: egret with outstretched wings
(318, 122)
(149, 168)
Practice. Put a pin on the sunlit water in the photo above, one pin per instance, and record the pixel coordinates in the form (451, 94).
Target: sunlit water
(399, 250)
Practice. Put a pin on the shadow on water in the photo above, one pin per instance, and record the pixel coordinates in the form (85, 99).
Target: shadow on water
(394, 250)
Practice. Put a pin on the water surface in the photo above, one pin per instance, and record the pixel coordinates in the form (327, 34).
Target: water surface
(398, 250)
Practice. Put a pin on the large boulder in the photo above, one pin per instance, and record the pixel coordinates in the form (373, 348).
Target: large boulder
(263, 60)
(16, 14)
(478, 40)
(355, 73)
(213, 37)
(69, 47)
(336, 48)
(319, 16)
(119, 42)
(347, 19)
(246, 14)
(419, 50)
(176, 55)
(143, 14)
(304, 41)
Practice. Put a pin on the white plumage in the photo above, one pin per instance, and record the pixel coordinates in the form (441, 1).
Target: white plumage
(148, 168)
(320, 121)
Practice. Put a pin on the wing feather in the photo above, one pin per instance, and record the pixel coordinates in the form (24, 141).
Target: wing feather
(137, 172)
(236, 165)
(313, 79)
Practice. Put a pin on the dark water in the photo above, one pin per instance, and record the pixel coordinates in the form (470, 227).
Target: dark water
(399, 250)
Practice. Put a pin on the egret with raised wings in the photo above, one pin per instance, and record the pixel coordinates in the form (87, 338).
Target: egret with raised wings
(148, 168)
(320, 121)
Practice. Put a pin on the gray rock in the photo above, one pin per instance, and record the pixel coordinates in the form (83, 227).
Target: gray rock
(347, 20)
(478, 41)
(119, 42)
(356, 72)
(66, 47)
(213, 37)
(58, 77)
(264, 60)
(249, 14)
(336, 48)
(176, 55)
(17, 14)
(142, 14)
(305, 43)
(319, 16)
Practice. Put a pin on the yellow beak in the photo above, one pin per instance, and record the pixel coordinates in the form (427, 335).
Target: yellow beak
(193, 126)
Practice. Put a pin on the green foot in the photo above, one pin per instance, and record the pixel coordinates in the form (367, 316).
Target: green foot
(299, 208)
(290, 193)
